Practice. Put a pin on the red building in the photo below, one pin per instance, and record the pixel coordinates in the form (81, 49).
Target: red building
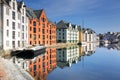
(40, 30)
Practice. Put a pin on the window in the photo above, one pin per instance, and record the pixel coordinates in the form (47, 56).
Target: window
(34, 30)
(22, 27)
(30, 42)
(13, 34)
(43, 25)
(13, 15)
(39, 35)
(13, 44)
(18, 43)
(13, 5)
(22, 19)
(7, 11)
(43, 31)
(34, 36)
(30, 28)
(19, 16)
(18, 34)
(23, 11)
(34, 23)
(7, 33)
(59, 29)
(43, 19)
(7, 22)
(30, 35)
(18, 25)
(22, 35)
(39, 29)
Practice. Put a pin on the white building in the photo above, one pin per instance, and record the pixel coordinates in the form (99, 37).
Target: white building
(67, 32)
(13, 25)
(88, 35)
(68, 55)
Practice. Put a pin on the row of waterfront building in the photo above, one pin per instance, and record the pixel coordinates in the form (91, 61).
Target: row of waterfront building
(21, 26)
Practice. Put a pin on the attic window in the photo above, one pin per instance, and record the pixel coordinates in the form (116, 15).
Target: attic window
(43, 19)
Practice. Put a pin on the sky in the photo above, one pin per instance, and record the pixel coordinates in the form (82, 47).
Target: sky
(99, 15)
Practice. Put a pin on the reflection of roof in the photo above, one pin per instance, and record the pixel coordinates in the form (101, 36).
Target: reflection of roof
(62, 64)
(64, 25)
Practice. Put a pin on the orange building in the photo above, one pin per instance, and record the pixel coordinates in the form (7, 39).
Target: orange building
(40, 30)
(43, 64)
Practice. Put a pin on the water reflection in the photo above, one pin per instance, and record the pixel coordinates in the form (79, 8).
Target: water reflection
(42, 65)
(111, 46)
(67, 56)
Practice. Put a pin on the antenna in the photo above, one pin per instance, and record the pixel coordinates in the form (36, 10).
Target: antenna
(83, 23)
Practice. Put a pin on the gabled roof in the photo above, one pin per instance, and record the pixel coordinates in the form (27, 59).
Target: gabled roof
(33, 13)
(5, 2)
(38, 13)
(88, 30)
(30, 13)
(64, 25)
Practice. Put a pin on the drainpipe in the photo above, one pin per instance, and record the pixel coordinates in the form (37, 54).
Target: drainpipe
(1, 26)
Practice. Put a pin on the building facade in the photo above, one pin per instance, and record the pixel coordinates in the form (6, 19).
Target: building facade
(40, 30)
(13, 25)
(67, 32)
(88, 35)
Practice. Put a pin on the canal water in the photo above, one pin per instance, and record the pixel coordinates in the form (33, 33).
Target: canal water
(75, 63)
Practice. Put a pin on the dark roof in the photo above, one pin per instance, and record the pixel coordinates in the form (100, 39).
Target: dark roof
(30, 13)
(33, 13)
(88, 30)
(19, 5)
(64, 25)
(38, 13)
(5, 2)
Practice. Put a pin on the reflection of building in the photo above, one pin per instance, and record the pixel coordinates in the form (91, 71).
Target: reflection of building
(112, 46)
(67, 32)
(88, 49)
(13, 24)
(40, 30)
(66, 56)
(20, 62)
(42, 65)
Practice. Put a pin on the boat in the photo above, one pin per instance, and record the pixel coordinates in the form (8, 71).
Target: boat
(29, 53)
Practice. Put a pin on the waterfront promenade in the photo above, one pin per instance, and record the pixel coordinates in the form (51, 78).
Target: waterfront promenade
(10, 71)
